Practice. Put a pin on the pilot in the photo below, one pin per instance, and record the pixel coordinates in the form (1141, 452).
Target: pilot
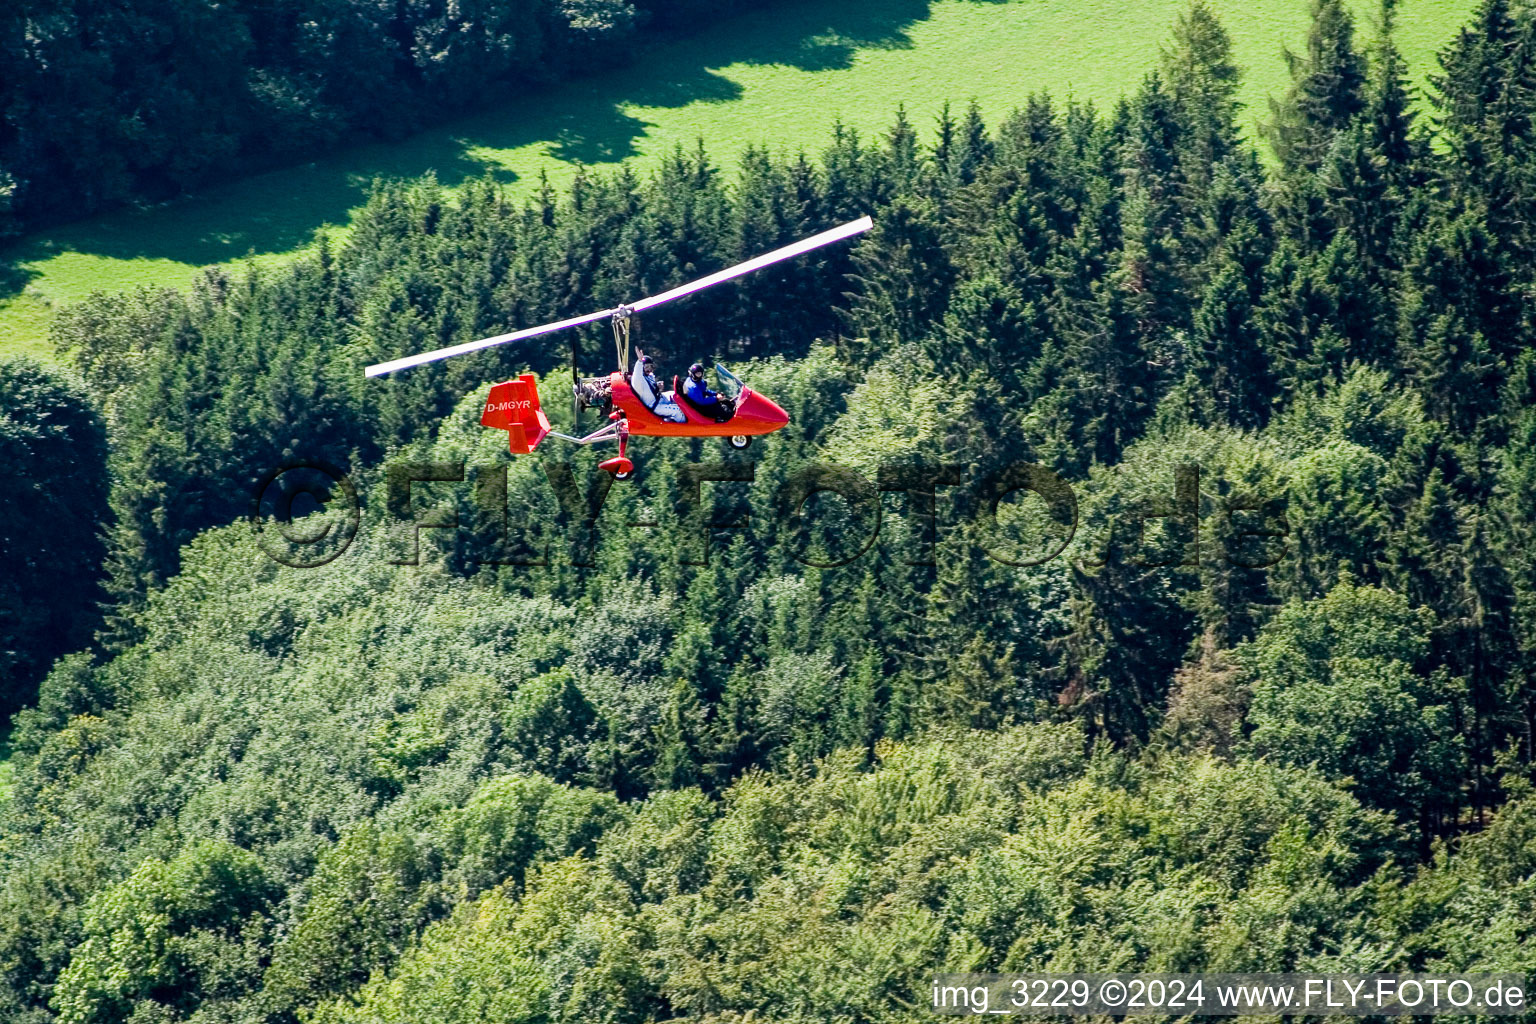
(706, 401)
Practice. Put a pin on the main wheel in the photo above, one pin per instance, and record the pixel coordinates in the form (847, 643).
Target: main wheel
(619, 466)
(739, 441)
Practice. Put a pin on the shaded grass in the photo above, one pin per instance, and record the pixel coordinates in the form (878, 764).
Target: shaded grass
(778, 77)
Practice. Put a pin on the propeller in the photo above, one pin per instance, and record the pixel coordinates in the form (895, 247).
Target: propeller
(575, 389)
(805, 245)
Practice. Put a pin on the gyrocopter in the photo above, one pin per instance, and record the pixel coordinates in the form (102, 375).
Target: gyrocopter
(631, 403)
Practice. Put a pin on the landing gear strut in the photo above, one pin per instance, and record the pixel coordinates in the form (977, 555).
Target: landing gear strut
(620, 467)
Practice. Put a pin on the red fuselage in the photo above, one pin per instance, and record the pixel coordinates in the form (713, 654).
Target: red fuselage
(755, 414)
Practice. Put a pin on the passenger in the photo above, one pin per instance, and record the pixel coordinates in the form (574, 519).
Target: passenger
(644, 384)
(650, 380)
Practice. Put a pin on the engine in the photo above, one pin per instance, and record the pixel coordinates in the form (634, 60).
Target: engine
(594, 393)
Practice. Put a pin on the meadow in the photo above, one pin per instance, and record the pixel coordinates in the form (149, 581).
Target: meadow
(777, 77)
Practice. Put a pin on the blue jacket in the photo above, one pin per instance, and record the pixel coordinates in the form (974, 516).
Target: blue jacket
(698, 393)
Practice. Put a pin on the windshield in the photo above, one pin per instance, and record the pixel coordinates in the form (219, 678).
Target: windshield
(730, 386)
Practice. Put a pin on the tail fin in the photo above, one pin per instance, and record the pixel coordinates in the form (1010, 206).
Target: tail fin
(513, 406)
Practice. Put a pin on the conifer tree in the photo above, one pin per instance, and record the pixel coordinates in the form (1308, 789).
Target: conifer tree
(1514, 541)
(903, 274)
(1328, 90)
(1203, 81)
(966, 676)
(1456, 320)
(1230, 362)
(1128, 635)
(962, 148)
(848, 172)
(1389, 108)
(1487, 99)
(901, 160)
(1155, 268)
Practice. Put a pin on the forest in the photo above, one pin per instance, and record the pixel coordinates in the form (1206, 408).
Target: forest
(1271, 708)
(103, 104)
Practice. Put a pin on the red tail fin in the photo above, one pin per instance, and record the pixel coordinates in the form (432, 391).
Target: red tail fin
(513, 406)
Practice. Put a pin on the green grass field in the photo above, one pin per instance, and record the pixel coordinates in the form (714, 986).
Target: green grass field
(778, 76)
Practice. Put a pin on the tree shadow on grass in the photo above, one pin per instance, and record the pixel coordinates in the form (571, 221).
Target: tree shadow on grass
(578, 121)
(14, 277)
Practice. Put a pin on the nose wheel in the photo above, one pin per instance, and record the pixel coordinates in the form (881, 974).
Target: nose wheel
(739, 441)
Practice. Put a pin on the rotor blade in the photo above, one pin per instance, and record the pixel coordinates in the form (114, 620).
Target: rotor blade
(379, 369)
(804, 245)
(767, 259)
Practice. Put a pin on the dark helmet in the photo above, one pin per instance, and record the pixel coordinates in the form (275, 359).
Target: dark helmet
(645, 360)
(696, 370)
